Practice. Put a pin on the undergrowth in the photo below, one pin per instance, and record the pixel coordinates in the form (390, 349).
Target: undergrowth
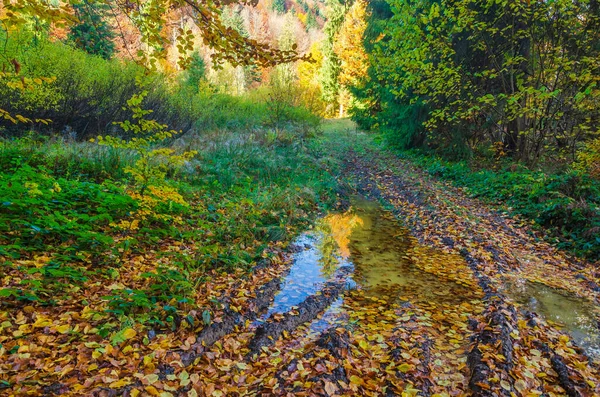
(68, 225)
(565, 204)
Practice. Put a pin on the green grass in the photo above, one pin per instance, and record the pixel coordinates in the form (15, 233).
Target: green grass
(566, 204)
(62, 201)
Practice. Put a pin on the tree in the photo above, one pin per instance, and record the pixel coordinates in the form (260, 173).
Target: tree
(92, 33)
(521, 74)
(279, 6)
(330, 69)
(308, 80)
(243, 76)
(196, 72)
(311, 21)
(350, 51)
(287, 41)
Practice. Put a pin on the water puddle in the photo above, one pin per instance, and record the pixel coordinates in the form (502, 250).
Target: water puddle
(313, 264)
(380, 252)
(385, 264)
(575, 316)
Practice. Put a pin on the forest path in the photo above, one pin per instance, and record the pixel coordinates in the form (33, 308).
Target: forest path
(414, 289)
(409, 288)
(528, 285)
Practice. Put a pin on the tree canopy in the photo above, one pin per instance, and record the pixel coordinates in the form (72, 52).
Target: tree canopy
(524, 75)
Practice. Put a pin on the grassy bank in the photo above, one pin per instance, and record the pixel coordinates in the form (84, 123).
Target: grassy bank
(71, 222)
(566, 204)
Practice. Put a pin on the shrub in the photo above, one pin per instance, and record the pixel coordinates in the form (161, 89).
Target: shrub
(89, 93)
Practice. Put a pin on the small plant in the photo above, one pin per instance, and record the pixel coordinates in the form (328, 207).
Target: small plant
(149, 171)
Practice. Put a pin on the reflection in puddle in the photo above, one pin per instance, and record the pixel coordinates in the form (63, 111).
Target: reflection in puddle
(384, 260)
(578, 317)
(388, 263)
(311, 268)
(371, 241)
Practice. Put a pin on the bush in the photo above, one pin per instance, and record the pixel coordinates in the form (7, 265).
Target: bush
(89, 94)
(86, 96)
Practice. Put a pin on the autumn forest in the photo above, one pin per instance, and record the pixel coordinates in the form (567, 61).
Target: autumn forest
(300, 198)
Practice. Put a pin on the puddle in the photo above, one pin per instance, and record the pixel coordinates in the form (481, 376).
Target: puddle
(576, 316)
(377, 248)
(381, 252)
(387, 263)
(312, 267)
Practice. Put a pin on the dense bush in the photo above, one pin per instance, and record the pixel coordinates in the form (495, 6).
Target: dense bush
(90, 93)
(520, 75)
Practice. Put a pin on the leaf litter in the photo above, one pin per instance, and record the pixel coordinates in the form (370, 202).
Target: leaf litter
(427, 310)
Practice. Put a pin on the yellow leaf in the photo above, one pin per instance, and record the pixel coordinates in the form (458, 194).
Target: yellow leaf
(356, 380)
(129, 333)
(148, 360)
(152, 390)
(63, 329)
(119, 383)
(404, 368)
(505, 385)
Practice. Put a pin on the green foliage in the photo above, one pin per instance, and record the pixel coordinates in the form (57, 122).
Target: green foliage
(512, 72)
(279, 6)
(566, 204)
(195, 74)
(39, 211)
(86, 95)
(403, 127)
(330, 68)
(150, 169)
(588, 158)
(62, 158)
(170, 289)
(89, 93)
(311, 20)
(92, 33)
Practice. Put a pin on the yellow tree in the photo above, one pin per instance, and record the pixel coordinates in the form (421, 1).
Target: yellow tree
(351, 52)
(308, 80)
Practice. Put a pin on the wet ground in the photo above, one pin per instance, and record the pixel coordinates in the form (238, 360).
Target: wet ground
(379, 250)
(385, 259)
(576, 316)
